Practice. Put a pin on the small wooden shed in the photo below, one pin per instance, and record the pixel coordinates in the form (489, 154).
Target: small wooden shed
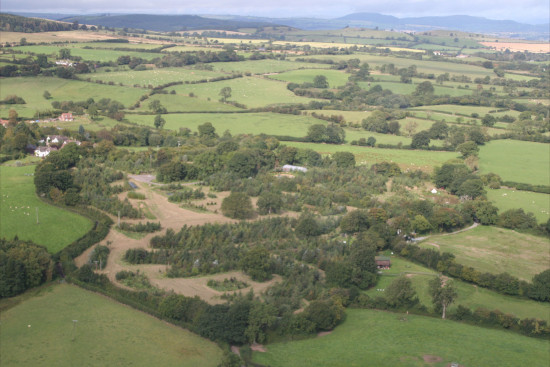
(382, 262)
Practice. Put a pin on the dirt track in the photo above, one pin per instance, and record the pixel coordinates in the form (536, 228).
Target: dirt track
(171, 216)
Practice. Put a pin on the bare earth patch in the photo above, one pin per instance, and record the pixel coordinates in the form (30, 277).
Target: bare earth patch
(258, 348)
(431, 359)
(323, 333)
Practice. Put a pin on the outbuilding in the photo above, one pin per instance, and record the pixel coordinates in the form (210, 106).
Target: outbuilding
(382, 262)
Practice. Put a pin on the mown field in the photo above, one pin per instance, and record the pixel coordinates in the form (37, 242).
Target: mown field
(496, 250)
(41, 332)
(377, 338)
(518, 161)
(468, 295)
(57, 227)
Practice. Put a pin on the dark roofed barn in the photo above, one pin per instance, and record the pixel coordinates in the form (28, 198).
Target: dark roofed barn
(382, 262)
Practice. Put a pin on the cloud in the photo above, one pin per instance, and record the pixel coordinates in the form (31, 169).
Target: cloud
(528, 11)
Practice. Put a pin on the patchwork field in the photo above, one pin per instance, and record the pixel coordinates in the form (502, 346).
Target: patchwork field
(57, 227)
(496, 250)
(518, 161)
(42, 331)
(384, 339)
(335, 78)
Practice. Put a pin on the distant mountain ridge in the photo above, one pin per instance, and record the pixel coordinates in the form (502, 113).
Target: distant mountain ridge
(167, 23)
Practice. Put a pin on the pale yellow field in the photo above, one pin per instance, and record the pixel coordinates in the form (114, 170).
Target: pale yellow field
(519, 46)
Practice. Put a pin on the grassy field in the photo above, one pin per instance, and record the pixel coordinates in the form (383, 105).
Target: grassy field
(335, 78)
(39, 332)
(184, 103)
(407, 159)
(237, 123)
(377, 338)
(154, 77)
(423, 66)
(266, 66)
(534, 202)
(56, 229)
(32, 90)
(496, 250)
(86, 53)
(409, 88)
(518, 161)
(468, 295)
(250, 91)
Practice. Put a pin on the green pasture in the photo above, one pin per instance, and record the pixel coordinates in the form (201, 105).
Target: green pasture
(518, 161)
(534, 202)
(32, 90)
(266, 66)
(184, 103)
(351, 117)
(423, 66)
(456, 109)
(56, 228)
(335, 78)
(188, 48)
(250, 91)
(114, 45)
(519, 77)
(236, 123)
(154, 77)
(409, 88)
(85, 53)
(378, 338)
(64, 325)
(496, 250)
(407, 159)
(356, 134)
(468, 295)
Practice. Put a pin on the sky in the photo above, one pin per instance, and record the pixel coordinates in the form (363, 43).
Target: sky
(525, 11)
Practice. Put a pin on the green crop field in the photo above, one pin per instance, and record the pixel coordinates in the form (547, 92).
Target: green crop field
(86, 53)
(377, 338)
(534, 202)
(335, 78)
(237, 123)
(57, 227)
(468, 295)
(495, 250)
(518, 161)
(32, 90)
(250, 91)
(40, 331)
(154, 77)
(407, 159)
